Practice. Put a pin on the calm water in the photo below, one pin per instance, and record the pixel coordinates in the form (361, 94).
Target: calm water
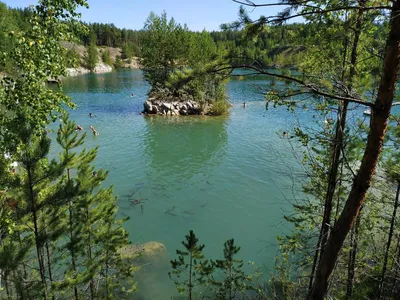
(223, 177)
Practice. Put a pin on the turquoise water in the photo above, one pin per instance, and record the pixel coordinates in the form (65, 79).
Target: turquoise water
(223, 177)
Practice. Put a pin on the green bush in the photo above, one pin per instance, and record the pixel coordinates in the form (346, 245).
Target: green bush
(220, 107)
(72, 58)
(119, 63)
(106, 58)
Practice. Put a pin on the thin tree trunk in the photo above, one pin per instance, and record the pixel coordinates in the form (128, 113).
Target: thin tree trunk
(72, 249)
(107, 267)
(49, 266)
(71, 236)
(362, 181)
(25, 273)
(352, 258)
(396, 276)
(190, 276)
(395, 266)
(92, 286)
(49, 262)
(39, 249)
(391, 230)
(7, 285)
(340, 185)
(337, 148)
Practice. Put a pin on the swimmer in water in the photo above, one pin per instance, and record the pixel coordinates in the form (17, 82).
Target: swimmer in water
(244, 104)
(94, 130)
(91, 115)
(79, 127)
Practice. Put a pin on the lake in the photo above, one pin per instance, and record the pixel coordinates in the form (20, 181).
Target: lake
(224, 177)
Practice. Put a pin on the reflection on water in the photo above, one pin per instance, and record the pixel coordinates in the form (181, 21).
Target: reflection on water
(184, 146)
(108, 82)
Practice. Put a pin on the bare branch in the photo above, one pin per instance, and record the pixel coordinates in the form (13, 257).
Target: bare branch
(308, 86)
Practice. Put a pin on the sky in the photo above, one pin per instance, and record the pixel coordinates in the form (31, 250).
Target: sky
(131, 14)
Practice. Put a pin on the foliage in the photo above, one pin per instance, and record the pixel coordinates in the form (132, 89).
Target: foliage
(179, 63)
(190, 269)
(338, 65)
(119, 63)
(92, 56)
(58, 233)
(35, 58)
(72, 58)
(233, 279)
(106, 58)
(164, 48)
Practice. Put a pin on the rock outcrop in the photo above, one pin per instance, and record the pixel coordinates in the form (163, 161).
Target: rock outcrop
(176, 108)
(100, 68)
(144, 253)
(77, 71)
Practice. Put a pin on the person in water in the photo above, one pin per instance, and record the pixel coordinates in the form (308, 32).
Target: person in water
(79, 127)
(244, 104)
(94, 130)
(90, 115)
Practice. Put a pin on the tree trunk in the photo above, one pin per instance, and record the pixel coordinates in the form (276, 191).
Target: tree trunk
(49, 262)
(391, 230)
(39, 248)
(190, 275)
(89, 244)
(352, 258)
(362, 181)
(71, 234)
(72, 250)
(49, 265)
(337, 148)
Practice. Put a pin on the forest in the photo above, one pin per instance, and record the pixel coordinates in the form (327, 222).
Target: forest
(276, 47)
(60, 233)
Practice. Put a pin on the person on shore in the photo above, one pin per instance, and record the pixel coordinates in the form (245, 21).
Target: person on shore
(94, 130)
(79, 127)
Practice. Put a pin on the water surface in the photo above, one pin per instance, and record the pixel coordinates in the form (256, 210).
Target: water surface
(223, 177)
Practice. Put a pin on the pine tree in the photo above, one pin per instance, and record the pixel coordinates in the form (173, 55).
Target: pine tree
(190, 269)
(92, 57)
(39, 204)
(233, 279)
(69, 139)
(95, 234)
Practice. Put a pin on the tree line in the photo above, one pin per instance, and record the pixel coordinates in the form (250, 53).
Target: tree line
(277, 47)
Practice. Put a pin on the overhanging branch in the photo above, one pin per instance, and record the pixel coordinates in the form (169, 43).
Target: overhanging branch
(308, 86)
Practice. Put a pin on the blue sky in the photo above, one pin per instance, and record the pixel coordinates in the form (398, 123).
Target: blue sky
(197, 14)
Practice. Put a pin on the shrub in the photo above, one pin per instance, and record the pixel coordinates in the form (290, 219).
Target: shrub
(106, 58)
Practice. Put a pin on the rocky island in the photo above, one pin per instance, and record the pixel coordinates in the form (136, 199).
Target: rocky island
(180, 66)
(176, 108)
